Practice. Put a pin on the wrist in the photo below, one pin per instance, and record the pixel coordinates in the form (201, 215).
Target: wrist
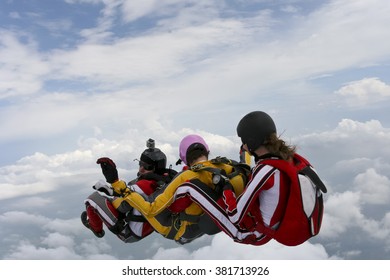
(119, 186)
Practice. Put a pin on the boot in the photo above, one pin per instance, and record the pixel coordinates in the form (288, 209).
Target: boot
(85, 221)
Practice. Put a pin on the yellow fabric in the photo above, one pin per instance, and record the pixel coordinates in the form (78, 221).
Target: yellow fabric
(248, 158)
(120, 187)
(152, 220)
(150, 209)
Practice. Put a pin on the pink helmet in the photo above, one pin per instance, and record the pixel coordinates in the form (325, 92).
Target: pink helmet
(190, 140)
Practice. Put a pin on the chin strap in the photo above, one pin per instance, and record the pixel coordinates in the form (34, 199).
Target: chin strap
(265, 156)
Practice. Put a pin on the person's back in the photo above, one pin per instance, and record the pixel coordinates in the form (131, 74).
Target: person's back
(254, 216)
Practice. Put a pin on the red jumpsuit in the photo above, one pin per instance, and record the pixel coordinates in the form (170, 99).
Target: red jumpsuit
(100, 210)
(263, 201)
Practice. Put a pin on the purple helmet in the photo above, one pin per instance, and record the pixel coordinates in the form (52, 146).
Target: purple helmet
(191, 141)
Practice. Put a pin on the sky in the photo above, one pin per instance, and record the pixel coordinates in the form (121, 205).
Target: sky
(82, 79)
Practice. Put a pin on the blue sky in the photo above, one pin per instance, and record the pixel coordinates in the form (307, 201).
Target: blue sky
(81, 79)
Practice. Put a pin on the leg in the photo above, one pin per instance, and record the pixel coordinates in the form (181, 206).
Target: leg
(92, 221)
(198, 193)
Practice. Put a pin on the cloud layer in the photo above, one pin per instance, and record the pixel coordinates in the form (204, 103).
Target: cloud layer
(359, 192)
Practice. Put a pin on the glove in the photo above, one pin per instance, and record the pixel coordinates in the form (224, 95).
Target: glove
(102, 186)
(109, 169)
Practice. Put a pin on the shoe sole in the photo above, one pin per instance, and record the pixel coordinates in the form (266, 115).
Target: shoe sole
(84, 219)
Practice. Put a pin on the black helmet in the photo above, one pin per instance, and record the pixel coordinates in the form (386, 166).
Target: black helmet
(254, 128)
(154, 158)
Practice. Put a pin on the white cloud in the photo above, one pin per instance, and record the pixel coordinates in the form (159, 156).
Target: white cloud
(40, 237)
(19, 217)
(56, 239)
(342, 211)
(134, 10)
(14, 15)
(22, 67)
(358, 189)
(70, 226)
(41, 173)
(331, 27)
(290, 9)
(84, 1)
(137, 60)
(35, 202)
(223, 248)
(344, 214)
(347, 138)
(8, 191)
(375, 188)
(28, 251)
(93, 248)
(365, 92)
(172, 254)
(216, 60)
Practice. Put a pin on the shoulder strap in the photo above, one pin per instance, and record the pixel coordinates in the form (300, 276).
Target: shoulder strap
(282, 165)
(220, 178)
(135, 218)
(301, 166)
(307, 170)
(313, 176)
(238, 167)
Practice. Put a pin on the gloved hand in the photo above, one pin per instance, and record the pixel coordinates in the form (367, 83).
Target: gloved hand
(109, 169)
(102, 186)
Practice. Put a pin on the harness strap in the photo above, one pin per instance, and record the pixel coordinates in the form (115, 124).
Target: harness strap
(309, 172)
(269, 231)
(135, 218)
(118, 227)
(174, 227)
(189, 218)
(206, 189)
(238, 168)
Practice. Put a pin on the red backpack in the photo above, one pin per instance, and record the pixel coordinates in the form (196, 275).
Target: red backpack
(303, 216)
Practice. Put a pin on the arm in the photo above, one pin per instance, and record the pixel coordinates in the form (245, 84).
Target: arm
(148, 209)
(230, 200)
(161, 202)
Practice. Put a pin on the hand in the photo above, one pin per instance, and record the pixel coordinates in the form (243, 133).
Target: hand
(109, 169)
(102, 186)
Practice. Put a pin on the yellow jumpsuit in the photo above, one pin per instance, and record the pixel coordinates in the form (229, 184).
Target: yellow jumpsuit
(152, 209)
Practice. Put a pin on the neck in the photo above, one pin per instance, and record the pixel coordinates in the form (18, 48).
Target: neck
(261, 153)
(199, 159)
